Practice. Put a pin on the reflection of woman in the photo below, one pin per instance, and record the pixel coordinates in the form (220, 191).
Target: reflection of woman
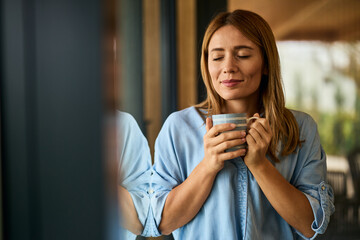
(134, 173)
(273, 190)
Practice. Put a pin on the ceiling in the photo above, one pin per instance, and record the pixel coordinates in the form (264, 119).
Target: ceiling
(325, 20)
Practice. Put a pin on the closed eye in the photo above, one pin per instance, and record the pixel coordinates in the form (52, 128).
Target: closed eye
(217, 58)
(244, 56)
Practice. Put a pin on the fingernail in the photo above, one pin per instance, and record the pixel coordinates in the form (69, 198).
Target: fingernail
(233, 125)
(243, 153)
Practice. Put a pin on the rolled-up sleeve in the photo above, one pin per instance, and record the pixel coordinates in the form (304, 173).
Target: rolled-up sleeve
(134, 168)
(166, 172)
(150, 227)
(311, 177)
(140, 196)
(321, 199)
(158, 192)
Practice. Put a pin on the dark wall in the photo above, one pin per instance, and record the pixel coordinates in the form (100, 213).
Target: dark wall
(52, 120)
(206, 10)
(168, 58)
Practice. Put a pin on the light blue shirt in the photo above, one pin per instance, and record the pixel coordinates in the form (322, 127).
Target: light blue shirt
(134, 166)
(236, 207)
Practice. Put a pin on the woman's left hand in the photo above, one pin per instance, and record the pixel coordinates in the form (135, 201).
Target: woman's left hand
(258, 140)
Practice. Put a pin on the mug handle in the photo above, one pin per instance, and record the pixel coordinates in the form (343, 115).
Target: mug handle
(251, 118)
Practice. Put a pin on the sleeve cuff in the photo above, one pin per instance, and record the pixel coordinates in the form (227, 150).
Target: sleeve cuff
(153, 219)
(322, 208)
(150, 228)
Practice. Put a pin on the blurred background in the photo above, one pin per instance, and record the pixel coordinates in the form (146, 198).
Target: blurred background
(66, 66)
(319, 47)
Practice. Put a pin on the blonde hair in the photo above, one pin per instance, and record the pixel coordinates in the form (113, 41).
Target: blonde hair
(282, 122)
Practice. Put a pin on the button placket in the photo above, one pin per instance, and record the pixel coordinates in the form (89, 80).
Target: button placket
(242, 197)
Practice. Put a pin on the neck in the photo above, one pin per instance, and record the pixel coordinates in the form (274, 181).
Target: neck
(250, 107)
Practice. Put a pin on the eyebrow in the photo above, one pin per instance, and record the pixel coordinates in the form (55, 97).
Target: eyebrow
(236, 48)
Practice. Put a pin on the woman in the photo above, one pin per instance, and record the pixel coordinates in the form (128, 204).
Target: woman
(273, 190)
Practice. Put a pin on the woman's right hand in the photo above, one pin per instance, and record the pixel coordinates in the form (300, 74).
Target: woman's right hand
(215, 144)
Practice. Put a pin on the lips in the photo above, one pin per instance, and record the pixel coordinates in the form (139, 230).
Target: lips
(231, 82)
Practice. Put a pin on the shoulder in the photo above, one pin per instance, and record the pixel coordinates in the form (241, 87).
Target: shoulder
(308, 129)
(124, 118)
(187, 116)
(187, 122)
(304, 119)
(187, 113)
(127, 125)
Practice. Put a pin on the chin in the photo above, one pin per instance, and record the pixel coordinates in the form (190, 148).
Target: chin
(238, 95)
(228, 97)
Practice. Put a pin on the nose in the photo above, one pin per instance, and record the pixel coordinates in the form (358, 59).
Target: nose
(229, 66)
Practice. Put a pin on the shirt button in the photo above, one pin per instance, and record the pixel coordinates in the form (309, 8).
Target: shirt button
(151, 191)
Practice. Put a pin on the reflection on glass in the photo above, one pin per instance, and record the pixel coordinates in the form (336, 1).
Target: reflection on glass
(133, 179)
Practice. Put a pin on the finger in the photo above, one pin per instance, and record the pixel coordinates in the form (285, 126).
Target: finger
(266, 125)
(264, 122)
(265, 132)
(234, 154)
(229, 144)
(256, 116)
(209, 124)
(259, 127)
(255, 135)
(250, 140)
(262, 140)
(228, 136)
(220, 128)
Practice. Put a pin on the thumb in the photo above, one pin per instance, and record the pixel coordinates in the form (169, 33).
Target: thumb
(209, 123)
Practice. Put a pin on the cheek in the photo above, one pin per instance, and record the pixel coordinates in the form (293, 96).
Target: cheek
(213, 71)
(255, 71)
(213, 82)
(213, 77)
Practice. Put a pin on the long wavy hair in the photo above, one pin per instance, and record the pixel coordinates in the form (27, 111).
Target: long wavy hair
(282, 122)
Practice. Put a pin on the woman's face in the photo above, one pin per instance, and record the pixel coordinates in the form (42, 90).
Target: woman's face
(235, 64)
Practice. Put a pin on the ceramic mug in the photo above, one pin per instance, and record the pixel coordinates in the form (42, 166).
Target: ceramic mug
(237, 118)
